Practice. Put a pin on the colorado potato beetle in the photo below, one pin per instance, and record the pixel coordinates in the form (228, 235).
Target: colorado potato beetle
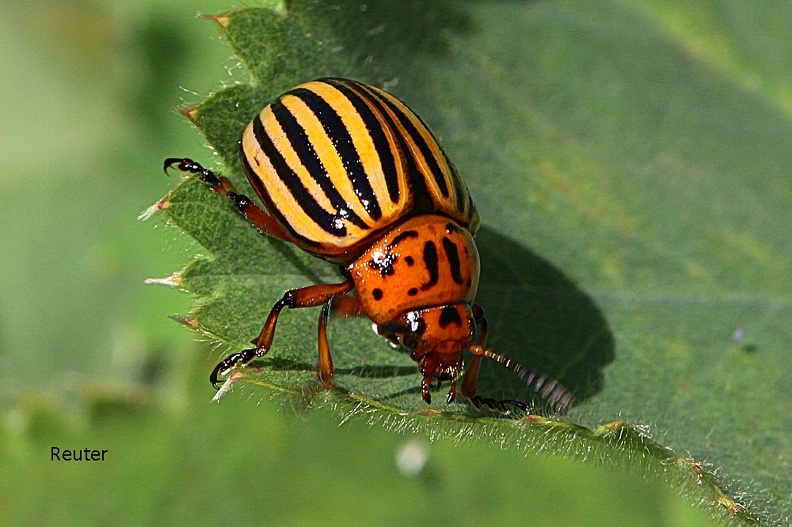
(348, 173)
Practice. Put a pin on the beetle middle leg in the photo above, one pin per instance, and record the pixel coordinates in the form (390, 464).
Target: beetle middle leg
(309, 296)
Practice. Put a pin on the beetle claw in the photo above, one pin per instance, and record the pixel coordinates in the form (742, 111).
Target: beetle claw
(229, 362)
(452, 393)
(425, 394)
(192, 167)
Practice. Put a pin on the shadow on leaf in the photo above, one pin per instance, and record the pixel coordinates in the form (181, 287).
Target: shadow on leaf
(539, 318)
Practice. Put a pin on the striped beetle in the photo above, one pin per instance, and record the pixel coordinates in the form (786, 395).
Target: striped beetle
(350, 174)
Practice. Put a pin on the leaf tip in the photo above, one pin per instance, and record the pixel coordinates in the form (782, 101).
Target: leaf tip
(151, 211)
(188, 322)
(191, 113)
(173, 280)
(222, 19)
(227, 385)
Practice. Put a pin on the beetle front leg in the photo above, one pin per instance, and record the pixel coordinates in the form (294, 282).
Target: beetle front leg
(310, 296)
(325, 371)
(426, 394)
(222, 185)
(472, 370)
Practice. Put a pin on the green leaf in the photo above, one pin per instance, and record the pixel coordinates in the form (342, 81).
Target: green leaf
(631, 165)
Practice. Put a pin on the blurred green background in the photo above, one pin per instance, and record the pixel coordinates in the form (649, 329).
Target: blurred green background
(88, 359)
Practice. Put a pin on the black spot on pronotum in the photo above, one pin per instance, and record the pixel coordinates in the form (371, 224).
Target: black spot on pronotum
(401, 237)
(450, 315)
(409, 260)
(377, 294)
(383, 263)
(452, 252)
(430, 260)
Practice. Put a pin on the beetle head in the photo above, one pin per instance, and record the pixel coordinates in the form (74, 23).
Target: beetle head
(436, 338)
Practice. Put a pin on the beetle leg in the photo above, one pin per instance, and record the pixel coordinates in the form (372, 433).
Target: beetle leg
(554, 392)
(223, 186)
(472, 370)
(452, 393)
(229, 362)
(426, 395)
(310, 296)
(325, 372)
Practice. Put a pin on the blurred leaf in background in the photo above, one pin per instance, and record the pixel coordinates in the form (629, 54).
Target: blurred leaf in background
(653, 139)
(89, 93)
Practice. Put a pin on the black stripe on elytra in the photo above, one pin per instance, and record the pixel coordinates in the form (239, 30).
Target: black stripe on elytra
(292, 181)
(312, 162)
(450, 315)
(261, 191)
(418, 139)
(471, 207)
(342, 140)
(459, 188)
(422, 200)
(430, 260)
(351, 91)
(452, 252)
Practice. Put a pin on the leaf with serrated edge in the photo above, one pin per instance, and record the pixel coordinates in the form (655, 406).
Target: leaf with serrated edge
(584, 145)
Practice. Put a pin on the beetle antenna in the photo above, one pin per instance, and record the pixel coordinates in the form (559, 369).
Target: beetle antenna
(550, 389)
